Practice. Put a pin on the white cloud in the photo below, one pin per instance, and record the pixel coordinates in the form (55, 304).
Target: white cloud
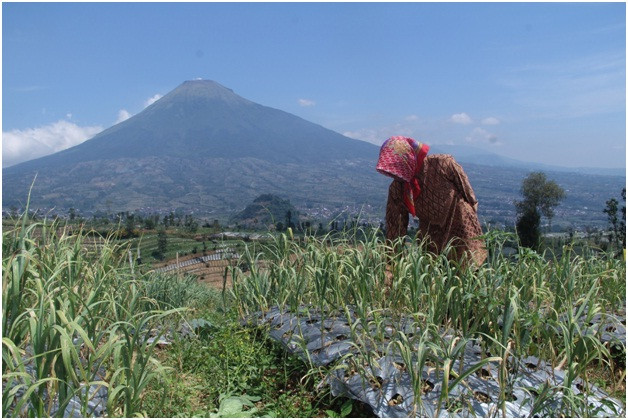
(412, 125)
(31, 143)
(366, 134)
(22, 145)
(306, 102)
(461, 118)
(152, 100)
(123, 115)
(490, 121)
(480, 135)
(379, 135)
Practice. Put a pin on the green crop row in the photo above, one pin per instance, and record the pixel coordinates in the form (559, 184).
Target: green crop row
(78, 320)
(526, 304)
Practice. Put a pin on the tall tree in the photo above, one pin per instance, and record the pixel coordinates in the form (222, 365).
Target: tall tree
(190, 223)
(616, 226)
(529, 228)
(289, 219)
(162, 245)
(540, 197)
(151, 222)
(129, 224)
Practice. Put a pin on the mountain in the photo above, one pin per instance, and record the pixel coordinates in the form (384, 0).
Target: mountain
(205, 150)
(203, 118)
(201, 148)
(477, 156)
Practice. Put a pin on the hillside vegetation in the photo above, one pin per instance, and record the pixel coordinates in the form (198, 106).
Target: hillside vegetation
(267, 210)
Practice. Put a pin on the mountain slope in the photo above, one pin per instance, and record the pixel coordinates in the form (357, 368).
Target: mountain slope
(200, 147)
(203, 118)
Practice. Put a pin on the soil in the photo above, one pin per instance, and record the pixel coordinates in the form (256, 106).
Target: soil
(210, 272)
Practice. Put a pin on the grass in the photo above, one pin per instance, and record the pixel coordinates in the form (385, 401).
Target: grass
(227, 360)
(76, 314)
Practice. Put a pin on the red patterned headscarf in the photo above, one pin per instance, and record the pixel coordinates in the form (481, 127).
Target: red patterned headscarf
(402, 158)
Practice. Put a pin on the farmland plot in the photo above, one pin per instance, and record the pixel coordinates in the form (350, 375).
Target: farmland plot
(84, 328)
(212, 269)
(415, 334)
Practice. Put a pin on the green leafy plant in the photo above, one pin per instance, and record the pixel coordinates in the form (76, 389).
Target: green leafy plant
(236, 406)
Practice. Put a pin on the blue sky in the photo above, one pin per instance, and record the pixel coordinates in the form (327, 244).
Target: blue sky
(541, 82)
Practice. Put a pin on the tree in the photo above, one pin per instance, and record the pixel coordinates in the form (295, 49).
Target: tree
(289, 223)
(162, 245)
(190, 223)
(169, 220)
(529, 228)
(617, 226)
(150, 223)
(540, 196)
(129, 224)
(540, 193)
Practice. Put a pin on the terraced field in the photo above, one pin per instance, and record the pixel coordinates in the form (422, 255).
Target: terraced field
(212, 269)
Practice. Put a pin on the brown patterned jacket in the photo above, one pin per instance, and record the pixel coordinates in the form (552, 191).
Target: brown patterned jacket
(446, 208)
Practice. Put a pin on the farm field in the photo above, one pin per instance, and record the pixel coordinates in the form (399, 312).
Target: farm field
(86, 331)
(212, 269)
(218, 242)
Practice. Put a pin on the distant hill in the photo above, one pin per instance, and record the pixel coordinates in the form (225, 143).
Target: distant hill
(266, 210)
(203, 149)
(477, 156)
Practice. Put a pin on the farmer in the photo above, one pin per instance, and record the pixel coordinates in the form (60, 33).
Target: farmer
(436, 190)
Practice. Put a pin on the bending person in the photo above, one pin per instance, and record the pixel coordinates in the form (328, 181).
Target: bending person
(436, 190)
